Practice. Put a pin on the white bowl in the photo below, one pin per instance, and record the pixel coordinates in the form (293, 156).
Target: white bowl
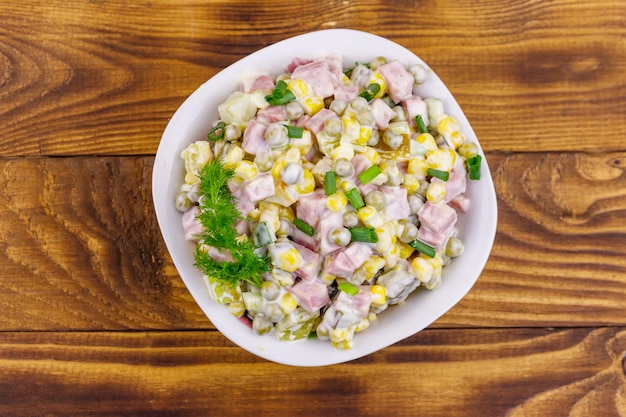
(193, 120)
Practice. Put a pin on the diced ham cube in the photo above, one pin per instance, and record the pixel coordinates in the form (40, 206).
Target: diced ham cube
(260, 187)
(311, 295)
(296, 62)
(414, 106)
(457, 182)
(349, 259)
(382, 113)
(346, 92)
(329, 220)
(272, 114)
(311, 265)
(316, 123)
(319, 76)
(261, 82)
(310, 206)
(397, 206)
(436, 223)
(191, 225)
(399, 80)
(303, 239)
(460, 203)
(335, 65)
(254, 138)
(242, 201)
(220, 255)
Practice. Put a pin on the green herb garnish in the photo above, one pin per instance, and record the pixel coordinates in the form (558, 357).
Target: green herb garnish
(217, 132)
(363, 234)
(442, 175)
(348, 288)
(423, 247)
(218, 216)
(280, 94)
(473, 166)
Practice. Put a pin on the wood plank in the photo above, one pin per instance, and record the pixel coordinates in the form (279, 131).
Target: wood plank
(80, 78)
(81, 249)
(531, 372)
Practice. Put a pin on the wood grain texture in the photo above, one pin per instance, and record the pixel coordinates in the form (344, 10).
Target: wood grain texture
(82, 249)
(81, 77)
(530, 373)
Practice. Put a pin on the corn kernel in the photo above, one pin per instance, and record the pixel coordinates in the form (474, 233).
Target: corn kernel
(417, 166)
(372, 265)
(270, 217)
(344, 150)
(254, 214)
(411, 183)
(362, 325)
(233, 157)
(456, 139)
(364, 135)
(436, 192)
(304, 143)
(392, 256)
(282, 277)
(268, 206)
(299, 88)
(337, 201)
(279, 165)
(437, 263)
(325, 277)
(236, 308)
(246, 170)
(343, 344)
(446, 125)
(422, 269)
(287, 213)
(371, 154)
(405, 250)
(369, 216)
(284, 195)
(384, 239)
(191, 178)
(287, 303)
(379, 295)
(312, 105)
(351, 128)
(427, 141)
(290, 260)
(307, 184)
(441, 159)
(377, 78)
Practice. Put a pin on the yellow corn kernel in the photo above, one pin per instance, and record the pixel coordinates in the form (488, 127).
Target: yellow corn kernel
(372, 265)
(287, 303)
(270, 217)
(446, 125)
(347, 185)
(337, 201)
(304, 143)
(281, 277)
(345, 80)
(436, 192)
(427, 141)
(362, 325)
(312, 105)
(344, 150)
(364, 135)
(233, 158)
(343, 344)
(191, 178)
(237, 308)
(289, 260)
(267, 206)
(441, 159)
(379, 295)
(376, 78)
(371, 154)
(456, 139)
(287, 213)
(437, 263)
(392, 256)
(384, 239)
(307, 184)
(279, 165)
(325, 277)
(254, 214)
(400, 128)
(369, 216)
(422, 269)
(299, 88)
(246, 170)
(405, 249)
(411, 183)
(351, 128)
(284, 195)
(417, 166)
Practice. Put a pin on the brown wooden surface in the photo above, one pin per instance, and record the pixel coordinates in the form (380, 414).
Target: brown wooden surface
(95, 319)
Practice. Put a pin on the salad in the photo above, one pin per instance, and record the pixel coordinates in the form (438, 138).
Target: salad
(324, 195)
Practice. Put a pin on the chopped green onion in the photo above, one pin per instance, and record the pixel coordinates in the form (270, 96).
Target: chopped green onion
(312, 336)
(370, 92)
(294, 131)
(217, 132)
(473, 166)
(348, 288)
(304, 227)
(354, 197)
(423, 247)
(442, 175)
(261, 235)
(363, 234)
(369, 174)
(280, 94)
(420, 124)
(330, 182)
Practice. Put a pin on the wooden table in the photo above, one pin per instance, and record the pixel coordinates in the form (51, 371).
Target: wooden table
(95, 319)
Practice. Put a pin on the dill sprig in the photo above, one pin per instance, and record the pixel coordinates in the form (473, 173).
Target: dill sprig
(218, 216)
